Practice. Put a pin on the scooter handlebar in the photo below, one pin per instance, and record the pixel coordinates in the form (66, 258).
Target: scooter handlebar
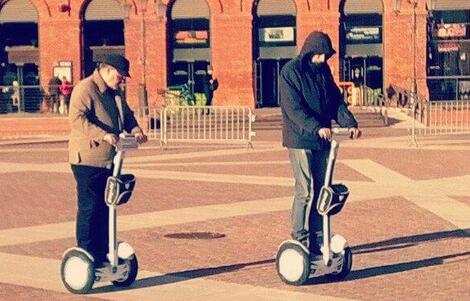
(340, 131)
(126, 142)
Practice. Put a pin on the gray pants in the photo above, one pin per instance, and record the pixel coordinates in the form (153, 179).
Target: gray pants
(308, 167)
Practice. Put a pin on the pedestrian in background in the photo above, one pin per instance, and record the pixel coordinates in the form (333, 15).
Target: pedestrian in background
(65, 89)
(210, 84)
(310, 100)
(98, 114)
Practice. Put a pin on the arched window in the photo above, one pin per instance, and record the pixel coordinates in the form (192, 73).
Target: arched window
(103, 32)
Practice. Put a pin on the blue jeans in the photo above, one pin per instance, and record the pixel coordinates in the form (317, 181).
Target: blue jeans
(308, 167)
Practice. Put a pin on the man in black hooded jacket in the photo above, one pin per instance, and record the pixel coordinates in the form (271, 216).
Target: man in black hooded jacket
(310, 100)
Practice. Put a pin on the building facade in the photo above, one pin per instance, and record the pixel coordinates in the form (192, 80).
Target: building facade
(245, 42)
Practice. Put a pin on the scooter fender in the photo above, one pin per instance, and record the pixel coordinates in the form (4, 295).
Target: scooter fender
(338, 244)
(294, 242)
(125, 250)
(87, 254)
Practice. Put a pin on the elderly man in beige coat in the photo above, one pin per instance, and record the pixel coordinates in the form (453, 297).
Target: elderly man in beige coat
(98, 113)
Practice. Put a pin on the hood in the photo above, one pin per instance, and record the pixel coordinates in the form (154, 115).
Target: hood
(317, 43)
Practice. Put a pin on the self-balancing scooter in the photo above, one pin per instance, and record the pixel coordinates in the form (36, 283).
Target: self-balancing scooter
(78, 272)
(294, 262)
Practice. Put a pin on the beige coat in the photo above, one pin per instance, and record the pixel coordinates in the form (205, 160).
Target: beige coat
(90, 120)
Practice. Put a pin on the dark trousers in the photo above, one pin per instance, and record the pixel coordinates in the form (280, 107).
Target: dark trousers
(308, 167)
(92, 215)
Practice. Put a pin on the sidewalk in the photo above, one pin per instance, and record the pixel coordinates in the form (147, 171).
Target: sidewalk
(206, 221)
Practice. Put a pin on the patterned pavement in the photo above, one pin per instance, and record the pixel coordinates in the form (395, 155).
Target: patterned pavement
(206, 221)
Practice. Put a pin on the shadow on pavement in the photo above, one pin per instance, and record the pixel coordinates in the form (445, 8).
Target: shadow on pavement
(409, 241)
(401, 243)
(402, 267)
(390, 244)
(182, 276)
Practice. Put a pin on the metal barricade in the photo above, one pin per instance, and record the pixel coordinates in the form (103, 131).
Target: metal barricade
(203, 124)
(444, 117)
(17, 98)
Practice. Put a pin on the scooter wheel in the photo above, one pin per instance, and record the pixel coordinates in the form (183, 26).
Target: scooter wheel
(345, 268)
(131, 275)
(293, 264)
(77, 272)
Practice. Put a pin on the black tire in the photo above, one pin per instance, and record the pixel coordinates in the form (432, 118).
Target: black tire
(345, 269)
(132, 273)
(77, 262)
(288, 260)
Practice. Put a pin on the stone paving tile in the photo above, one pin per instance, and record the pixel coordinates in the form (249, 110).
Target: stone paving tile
(463, 199)
(57, 152)
(342, 171)
(415, 163)
(402, 253)
(16, 292)
(40, 198)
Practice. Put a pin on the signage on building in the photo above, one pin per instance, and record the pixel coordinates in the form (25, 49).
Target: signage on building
(451, 30)
(448, 47)
(192, 38)
(276, 34)
(363, 34)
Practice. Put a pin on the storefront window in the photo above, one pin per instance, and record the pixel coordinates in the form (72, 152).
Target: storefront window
(448, 67)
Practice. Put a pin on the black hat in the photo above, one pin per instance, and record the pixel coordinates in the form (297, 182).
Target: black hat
(119, 62)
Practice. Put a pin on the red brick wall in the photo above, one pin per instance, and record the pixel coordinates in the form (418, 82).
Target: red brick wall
(398, 49)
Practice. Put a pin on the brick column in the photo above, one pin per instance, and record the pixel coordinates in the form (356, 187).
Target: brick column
(232, 58)
(58, 41)
(398, 49)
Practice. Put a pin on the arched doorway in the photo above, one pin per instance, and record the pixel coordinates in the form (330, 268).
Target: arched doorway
(448, 51)
(189, 52)
(102, 32)
(274, 44)
(361, 48)
(19, 56)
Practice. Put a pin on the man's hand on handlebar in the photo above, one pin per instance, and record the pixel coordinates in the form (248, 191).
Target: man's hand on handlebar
(325, 133)
(354, 133)
(140, 137)
(111, 138)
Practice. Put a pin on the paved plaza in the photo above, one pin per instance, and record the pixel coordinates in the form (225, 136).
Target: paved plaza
(206, 221)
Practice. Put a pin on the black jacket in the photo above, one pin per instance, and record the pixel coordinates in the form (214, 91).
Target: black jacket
(309, 97)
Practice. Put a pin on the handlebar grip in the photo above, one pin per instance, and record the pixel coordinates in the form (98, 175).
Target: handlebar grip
(340, 131)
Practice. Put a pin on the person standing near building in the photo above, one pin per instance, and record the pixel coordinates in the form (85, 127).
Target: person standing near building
(98, 114)
(65, 92)
(210, 84)
(310, 100)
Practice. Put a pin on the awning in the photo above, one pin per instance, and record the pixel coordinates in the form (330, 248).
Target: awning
(21, 55)
(280, 52)
(364, 50)
(99, 52)
(191, 54)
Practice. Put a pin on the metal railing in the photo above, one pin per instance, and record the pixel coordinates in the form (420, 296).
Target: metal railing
(444, 117)
(20, 98)
(434, 117)
(32, 99)
(200, 124)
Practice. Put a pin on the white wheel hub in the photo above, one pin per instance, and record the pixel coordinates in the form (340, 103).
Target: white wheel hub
(76, 272)
(291, 265)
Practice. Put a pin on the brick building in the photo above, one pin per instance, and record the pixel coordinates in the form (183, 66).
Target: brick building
(246, 42)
